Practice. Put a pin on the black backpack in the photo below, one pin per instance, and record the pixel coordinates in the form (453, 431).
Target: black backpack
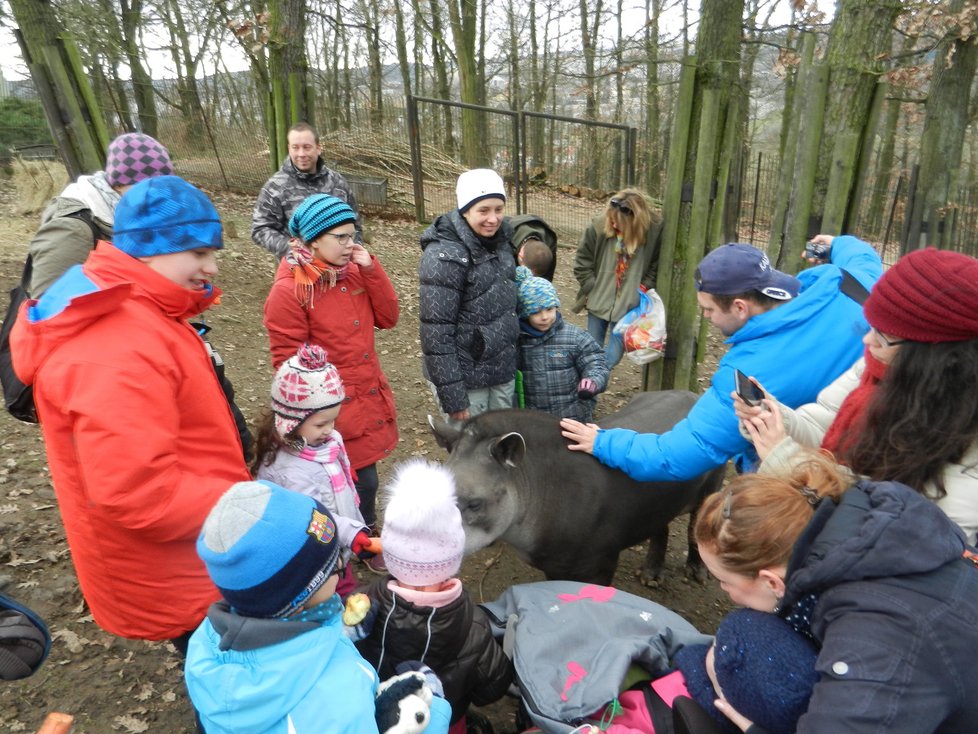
(18, 397)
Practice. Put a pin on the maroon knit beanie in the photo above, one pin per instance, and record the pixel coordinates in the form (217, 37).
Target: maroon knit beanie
(927, 296)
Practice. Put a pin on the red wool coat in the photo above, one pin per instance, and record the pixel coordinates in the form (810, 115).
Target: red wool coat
(139, 436)
(342, 321)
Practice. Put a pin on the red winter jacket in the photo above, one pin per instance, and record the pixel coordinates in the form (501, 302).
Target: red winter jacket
(342, 321)
(139, 437)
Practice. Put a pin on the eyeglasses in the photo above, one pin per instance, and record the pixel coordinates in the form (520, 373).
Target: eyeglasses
(342, 239)
(622, 207)
(883, 341)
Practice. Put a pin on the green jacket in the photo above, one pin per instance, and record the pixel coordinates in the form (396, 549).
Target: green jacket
(594, 268)
(63, 239)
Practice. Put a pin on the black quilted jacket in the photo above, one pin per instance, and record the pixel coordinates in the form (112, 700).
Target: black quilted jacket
(468, 318)
(455, 641)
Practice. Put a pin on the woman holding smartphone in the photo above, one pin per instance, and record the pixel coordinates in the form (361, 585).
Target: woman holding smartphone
(619, 252)
(908, 409)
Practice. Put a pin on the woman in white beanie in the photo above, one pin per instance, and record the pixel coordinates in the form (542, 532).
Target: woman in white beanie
(423, 612)
(467, 307)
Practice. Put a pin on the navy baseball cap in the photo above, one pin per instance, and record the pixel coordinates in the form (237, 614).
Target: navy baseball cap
(738, 268)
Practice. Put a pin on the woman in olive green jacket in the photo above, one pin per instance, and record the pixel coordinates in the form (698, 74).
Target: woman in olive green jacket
(618, 252)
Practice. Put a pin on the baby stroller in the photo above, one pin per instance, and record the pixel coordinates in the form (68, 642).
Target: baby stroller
(577, 646)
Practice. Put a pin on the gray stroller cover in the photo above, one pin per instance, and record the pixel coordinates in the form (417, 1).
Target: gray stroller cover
(572, 644)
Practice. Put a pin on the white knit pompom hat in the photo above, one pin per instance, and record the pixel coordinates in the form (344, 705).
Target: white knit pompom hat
(423, 539)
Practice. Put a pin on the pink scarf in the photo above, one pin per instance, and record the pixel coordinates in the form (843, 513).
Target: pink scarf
(336, 464)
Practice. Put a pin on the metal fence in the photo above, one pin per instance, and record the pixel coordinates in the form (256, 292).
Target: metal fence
(560, 168)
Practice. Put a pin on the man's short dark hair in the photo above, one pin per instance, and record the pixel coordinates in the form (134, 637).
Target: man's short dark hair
(725, 302)
(303, 127)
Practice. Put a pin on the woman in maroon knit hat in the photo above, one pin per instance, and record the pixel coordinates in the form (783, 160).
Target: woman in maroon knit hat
(908, 410)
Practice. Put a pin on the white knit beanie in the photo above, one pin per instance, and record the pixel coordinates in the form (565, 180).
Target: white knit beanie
(423, 539)
(305, 384)
(476, 185)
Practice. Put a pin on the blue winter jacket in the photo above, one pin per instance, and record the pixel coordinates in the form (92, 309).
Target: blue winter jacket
(794, 350)
(271, 676)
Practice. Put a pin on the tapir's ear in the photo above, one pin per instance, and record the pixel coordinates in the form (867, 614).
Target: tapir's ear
(446, 434)
(508, 449)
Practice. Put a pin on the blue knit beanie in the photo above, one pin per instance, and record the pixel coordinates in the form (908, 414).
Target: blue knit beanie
(765, 669)
(163, 215)
(535, 294)
(268, 549)
(317, 214)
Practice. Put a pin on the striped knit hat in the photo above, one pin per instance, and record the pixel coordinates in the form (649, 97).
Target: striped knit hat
(305, 384)
(535, 294)
(317, 214)
(268, 549)
(927, 296)
(133, 157)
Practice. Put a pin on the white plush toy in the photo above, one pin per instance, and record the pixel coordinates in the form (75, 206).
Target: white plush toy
(403, 704)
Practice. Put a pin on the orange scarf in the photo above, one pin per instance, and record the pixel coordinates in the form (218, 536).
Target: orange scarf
(309, 272)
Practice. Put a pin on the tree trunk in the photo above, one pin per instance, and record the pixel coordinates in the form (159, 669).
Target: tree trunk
(589, 40)
(942, 142)
(463, 19)
(142, 82)
(288, 70)
(653, 151)
(685, 241)
(76, 126)
(400, 38)
(859, 40)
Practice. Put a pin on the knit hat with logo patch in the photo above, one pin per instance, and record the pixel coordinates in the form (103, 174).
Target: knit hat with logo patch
(268, 549)
(305, 384)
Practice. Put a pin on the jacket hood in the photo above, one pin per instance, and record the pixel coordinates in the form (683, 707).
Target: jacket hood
(247, 678)
(86, 293)
(878, 530)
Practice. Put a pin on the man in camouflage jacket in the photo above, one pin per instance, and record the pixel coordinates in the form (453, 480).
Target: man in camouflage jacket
(302, 174)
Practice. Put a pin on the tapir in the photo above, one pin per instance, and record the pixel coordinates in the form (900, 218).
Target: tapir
(563, 511)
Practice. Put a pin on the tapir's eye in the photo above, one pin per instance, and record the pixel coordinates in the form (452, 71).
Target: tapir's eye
(475, 505)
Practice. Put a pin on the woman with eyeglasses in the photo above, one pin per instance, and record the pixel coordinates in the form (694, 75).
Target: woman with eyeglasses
(618, 252)
(908, 410)
(329, 291)
(875, 574)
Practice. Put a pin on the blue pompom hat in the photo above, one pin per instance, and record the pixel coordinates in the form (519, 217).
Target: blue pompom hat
(268, 549)
(317, 214)
(765, 669)
(163, 215)
(535, 294)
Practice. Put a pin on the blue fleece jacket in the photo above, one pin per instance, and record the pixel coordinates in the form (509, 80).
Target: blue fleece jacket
(794, 350)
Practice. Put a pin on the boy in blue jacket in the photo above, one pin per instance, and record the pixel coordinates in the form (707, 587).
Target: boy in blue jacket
(273, 656)
(795, 335)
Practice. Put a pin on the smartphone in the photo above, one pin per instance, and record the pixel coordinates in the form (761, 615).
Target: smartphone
(817, 251)
(747, 390)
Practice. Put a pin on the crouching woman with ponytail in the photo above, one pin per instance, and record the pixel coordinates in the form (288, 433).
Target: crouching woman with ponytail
(875, 574)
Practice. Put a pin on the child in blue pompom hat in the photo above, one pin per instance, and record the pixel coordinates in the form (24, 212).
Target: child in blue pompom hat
(273, 655)
(563, 368)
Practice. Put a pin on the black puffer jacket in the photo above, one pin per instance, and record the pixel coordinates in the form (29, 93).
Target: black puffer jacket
(455, 641)
(468, 318)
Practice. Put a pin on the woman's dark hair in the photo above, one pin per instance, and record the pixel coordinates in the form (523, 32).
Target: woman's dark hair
(922, 416)
(267, 442)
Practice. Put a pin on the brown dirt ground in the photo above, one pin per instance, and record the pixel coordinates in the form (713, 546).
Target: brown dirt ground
(114, 685)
